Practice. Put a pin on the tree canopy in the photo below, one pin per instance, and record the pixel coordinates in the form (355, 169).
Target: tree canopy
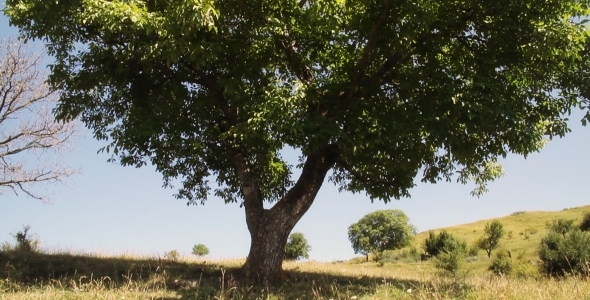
(200, 250)
(372, 93)
(381, 230)
(297, 247)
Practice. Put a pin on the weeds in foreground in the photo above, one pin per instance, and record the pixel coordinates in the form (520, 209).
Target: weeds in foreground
(69, 276)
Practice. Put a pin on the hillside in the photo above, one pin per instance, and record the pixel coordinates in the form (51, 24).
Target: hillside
(64, 275)
(524, 230)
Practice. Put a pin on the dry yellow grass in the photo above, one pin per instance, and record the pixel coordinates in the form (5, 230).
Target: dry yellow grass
(68, 274)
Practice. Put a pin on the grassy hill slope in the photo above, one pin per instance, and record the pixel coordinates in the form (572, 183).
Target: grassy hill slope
(66, 276)
(524, 230)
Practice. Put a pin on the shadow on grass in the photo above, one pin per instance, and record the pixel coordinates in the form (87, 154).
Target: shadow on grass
(19, 270)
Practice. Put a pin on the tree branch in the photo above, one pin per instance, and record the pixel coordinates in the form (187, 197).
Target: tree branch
(29, 129)
(362, 64)
(300, 197)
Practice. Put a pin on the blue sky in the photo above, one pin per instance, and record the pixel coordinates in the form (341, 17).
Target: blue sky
(114, 209)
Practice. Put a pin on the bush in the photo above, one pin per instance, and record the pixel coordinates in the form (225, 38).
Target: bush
(408, 256)
(450, 261)
(502, 264)
(585, 225)
(526, 271)
(172, 255)
(444, 242)
(24, 241)
(200, 250)
(565, 254)
(561, 226)
(473, 250)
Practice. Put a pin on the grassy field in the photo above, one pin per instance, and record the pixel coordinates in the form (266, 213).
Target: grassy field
(67, 275)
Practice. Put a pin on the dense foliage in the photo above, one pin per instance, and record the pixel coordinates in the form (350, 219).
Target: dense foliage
(585, 224)
(450, 261)
(297, 247)
(561, 226)
(381, 230)
(200, 250)
(566, 254)
(502, 264)
(444, 242)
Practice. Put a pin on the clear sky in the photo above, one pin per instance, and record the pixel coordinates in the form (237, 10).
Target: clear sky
(114, 209)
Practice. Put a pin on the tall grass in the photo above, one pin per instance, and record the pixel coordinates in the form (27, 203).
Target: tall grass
(83, 276)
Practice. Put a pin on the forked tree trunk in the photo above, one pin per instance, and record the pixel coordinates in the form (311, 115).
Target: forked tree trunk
(270, 228)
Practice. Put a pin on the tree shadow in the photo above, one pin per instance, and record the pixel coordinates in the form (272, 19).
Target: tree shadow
(191, 280)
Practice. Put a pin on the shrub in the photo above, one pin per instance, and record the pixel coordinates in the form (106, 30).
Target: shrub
(473, 250)
(172, 255)
(565, 254)
(502, 264)
(526, 271)
(444, 242)
(415, 254)
(585, 225)
(200, 250)
(450, 261)
(408, 256)
(561, 226)
(24, 241)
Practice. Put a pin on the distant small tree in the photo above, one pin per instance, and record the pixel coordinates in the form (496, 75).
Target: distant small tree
(561, 226)
(493, 232)
(443, 243)
(200, 250)
(585, 225)
(24, 241)
(297, 247)
(381, 230)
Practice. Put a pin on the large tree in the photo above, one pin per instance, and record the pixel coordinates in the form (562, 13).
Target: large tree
(375, 93)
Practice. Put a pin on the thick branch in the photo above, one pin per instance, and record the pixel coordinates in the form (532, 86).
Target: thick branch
(298, 200)
(302, 71)
(362, 64)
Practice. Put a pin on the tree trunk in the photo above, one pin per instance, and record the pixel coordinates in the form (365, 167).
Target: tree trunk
(270, 228)
(267, 248)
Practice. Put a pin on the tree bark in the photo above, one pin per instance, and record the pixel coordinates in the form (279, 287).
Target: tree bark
(267, 248)
(270, 228)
